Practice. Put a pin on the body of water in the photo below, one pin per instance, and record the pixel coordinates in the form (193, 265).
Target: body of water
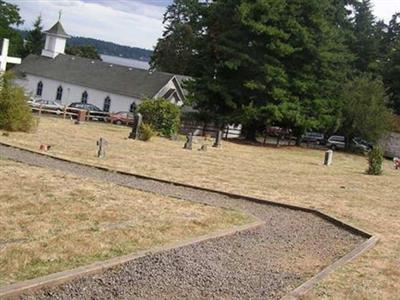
(126, 62)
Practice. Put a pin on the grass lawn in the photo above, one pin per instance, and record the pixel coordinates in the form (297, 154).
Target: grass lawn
(51, 221)
(291, 175)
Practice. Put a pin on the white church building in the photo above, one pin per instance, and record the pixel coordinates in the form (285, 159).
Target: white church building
(66, 79)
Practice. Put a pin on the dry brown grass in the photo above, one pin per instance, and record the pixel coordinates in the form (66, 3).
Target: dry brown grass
(290, 175)
(51, 221)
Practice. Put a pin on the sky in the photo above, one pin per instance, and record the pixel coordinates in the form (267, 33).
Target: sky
(136, 23)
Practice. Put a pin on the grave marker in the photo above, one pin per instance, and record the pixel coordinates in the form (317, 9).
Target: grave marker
(4, 58)
(137, 122)
(189, 142)
(102, 144)
(328, 158)
(218, 139)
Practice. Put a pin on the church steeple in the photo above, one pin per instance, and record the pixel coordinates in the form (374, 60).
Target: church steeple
(56, 39)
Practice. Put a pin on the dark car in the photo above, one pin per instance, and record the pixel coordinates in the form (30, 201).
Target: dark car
(313, 137)
(95, 113)
(122, 117)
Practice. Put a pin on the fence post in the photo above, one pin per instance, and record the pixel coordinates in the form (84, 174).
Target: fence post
(65, 112)
(40, 110)
(227, 132)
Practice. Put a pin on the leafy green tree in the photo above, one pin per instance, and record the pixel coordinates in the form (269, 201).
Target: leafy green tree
(15, 113)
(35, 38)
(364, 111)
(174, 51)
(86, 51)
(161, 114)
(9, 16)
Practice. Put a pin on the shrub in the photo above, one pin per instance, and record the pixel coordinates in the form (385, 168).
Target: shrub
(375, 160)
(163, 115)
(15, 113)
(146, 132)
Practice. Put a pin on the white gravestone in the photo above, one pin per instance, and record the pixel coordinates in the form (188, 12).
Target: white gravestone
(4, 58)
(328, 158)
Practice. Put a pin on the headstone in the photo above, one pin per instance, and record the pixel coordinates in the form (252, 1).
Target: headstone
(189, 142)
(102, 145)
(328, 158)
(137, 122)
(218, 139)
(203, 148)
(4, 58)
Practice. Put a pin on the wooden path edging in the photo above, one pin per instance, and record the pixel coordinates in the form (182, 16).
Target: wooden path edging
(13, 291)
(299, 291)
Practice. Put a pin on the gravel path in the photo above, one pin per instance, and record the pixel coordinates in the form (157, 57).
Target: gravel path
(262, 263)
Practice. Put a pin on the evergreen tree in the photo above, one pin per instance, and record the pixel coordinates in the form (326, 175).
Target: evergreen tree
(174, 51)
(35, 38)
(271, 62)
(392, 76)
(365, 45)
(9, 16)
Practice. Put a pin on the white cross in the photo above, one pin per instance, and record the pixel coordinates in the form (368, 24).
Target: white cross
(4, 59)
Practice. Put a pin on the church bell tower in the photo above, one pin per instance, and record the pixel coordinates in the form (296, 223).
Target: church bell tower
(56, 39)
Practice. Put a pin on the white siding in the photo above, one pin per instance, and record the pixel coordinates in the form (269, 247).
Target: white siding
(73, 93)
(165, 89)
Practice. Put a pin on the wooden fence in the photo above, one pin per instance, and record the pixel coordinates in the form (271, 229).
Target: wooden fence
(69, 112)
(204, 129)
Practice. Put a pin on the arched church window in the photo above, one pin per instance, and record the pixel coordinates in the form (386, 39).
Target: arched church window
(59, 93)
(132, 108)
(39, 89)
(84, 97)
(107, 104)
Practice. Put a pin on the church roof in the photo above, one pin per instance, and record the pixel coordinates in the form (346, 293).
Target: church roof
(95, 74)
(57, 29)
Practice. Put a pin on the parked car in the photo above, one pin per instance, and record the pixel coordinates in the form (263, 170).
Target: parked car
(357, 143)
(122, 117)
(47, 105)
(278, 131)
(361, 144)
(95, 113)
(313, 137)
(336, 142)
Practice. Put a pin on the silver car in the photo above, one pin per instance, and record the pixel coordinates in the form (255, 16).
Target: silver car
(336, 142)
(47, 105)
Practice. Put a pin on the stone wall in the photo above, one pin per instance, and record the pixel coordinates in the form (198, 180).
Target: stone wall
(391, 145)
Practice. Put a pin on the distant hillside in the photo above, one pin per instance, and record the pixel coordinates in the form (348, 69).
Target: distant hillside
(112, 49)
(108, 48)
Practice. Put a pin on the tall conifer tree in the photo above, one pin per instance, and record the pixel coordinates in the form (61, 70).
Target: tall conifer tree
(35, 38)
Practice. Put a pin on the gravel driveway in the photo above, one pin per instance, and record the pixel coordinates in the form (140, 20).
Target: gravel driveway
(262, 263)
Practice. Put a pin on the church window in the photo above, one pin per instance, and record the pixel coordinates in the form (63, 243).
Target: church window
(84, 97)
(107, 104)
(39, 89)
(132, 108)
(59, 93)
